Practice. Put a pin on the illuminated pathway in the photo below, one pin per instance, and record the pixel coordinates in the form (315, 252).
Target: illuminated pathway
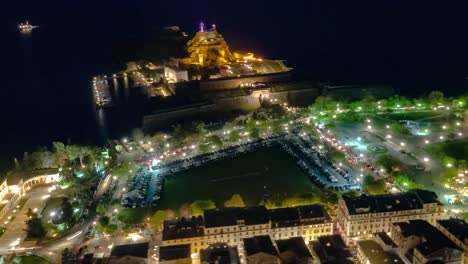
(15, 232)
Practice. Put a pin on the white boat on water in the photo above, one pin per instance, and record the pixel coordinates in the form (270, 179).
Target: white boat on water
(25, 27)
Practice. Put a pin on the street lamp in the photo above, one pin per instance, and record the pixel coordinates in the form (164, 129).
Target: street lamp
(389, 136)
(426, 159)
(402, 144)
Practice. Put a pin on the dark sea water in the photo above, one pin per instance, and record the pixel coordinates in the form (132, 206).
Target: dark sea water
(45, 86)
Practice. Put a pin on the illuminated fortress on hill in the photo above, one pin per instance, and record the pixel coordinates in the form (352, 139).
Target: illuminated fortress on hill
(211, 58)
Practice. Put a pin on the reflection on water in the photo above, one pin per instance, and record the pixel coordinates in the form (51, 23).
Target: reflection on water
(125, 113)
(125, 83)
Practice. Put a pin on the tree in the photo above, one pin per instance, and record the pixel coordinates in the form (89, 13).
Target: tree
(67, 212)
(104, 221)
(111, 229)
(158, 218)
(448, 176)
(350, 194)
(329, 197)
(185, 210)
(199, 206)
(235, 201)
(372, 186)
(436, 98)
(101, 209)
(234, 135)
(388, 162)
(60, 153)
(404, 181)
(35, 229)
(400, 129)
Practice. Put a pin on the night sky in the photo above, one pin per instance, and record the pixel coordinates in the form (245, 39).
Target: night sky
(416, 46)
(396, 42)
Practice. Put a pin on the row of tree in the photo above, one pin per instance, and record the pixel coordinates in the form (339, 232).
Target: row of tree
(59, 155)
(433, 99)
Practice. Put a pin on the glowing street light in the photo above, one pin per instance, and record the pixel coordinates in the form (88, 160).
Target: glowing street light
(426, 141)
(426, 159)
(369, 127)
(389, 136)
(441, 137)
(124, 140)
(444, 127)
(402, 144)
(449, 165)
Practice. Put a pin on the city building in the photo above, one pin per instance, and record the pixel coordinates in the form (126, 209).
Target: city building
(457, 231)
(232, 225)
(129, 254)
(370, 252)
(294, 250)
(219, 253)
(17, 184)
(331, 250)
(179, 254)
(260, 250)
(174, 74)
(421, 242)
(362, 216)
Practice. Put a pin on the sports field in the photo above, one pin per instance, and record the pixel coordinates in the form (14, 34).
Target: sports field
(264, 172)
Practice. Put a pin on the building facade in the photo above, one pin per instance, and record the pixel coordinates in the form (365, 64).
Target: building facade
(421, 242)
(16, 186)
(360, 217)
(232, 225)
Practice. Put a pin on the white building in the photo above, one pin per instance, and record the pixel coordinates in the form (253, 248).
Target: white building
(232, 225)
(360, 217)
(174, 74)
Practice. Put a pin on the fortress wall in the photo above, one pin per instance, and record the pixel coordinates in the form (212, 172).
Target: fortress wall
(234, 83)
(303, 97)
(158, 120)
(243, 103)
(246, 103)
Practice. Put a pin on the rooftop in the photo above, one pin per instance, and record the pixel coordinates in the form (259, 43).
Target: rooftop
(457, 227)
(219, 253)
(139, 250)
(258, 244)
(376, 255)
(292, 249)
(432, 238)
(411, 200)
(386, 239)
(332, 249)
(293, 216)
(232, 216)
(15, 177)
(183, 228)
(168, 253)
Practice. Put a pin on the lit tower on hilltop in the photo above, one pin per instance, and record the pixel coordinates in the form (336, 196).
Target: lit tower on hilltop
(202, 27)
(208, 48)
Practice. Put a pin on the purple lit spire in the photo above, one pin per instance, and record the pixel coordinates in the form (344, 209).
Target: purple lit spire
(202, 27)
